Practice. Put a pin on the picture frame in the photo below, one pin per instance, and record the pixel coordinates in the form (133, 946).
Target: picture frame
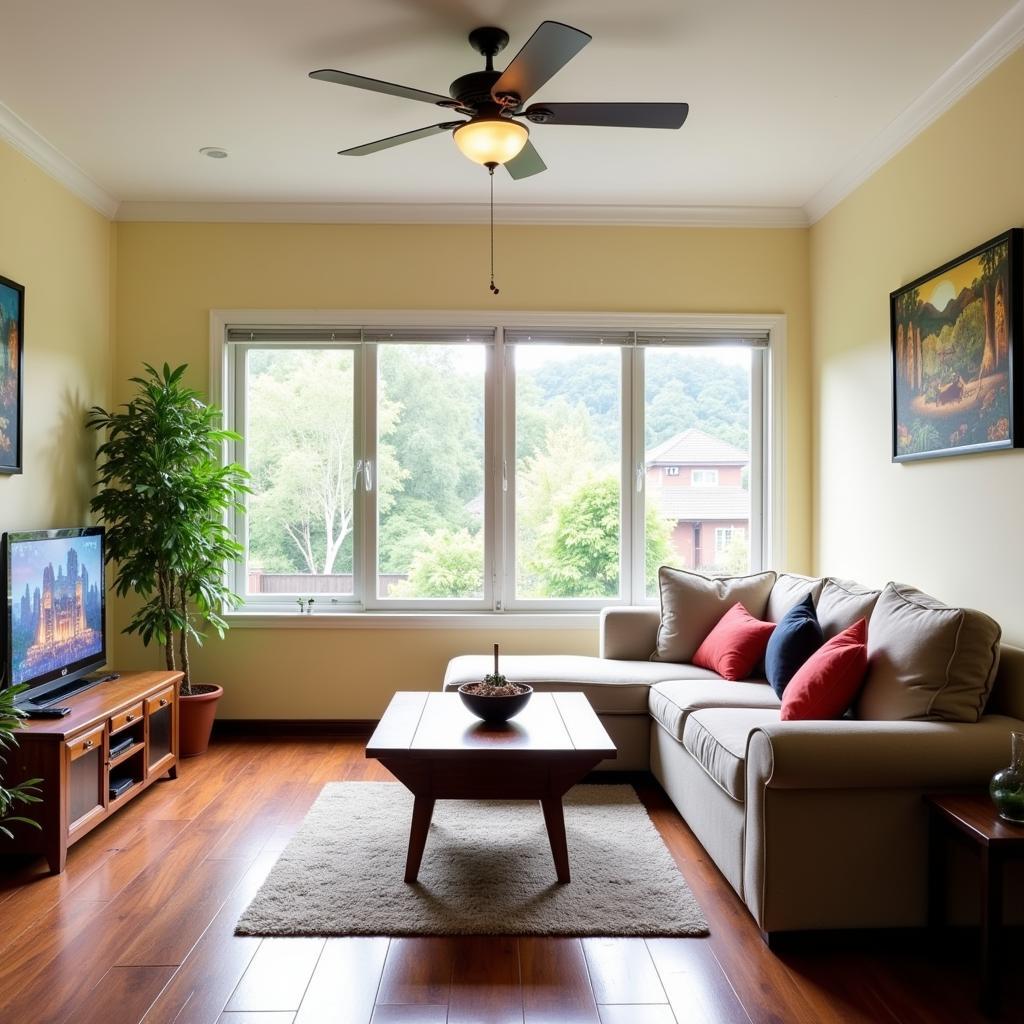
(955, 339)
(12, 375)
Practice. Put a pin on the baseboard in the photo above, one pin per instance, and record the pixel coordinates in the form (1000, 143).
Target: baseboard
(323, 727)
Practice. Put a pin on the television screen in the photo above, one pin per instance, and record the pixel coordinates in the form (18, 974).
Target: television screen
(55, 602)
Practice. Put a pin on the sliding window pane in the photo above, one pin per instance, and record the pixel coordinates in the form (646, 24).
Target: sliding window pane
(430, 473)
(299, 449)
(697, 440)
(568, 476)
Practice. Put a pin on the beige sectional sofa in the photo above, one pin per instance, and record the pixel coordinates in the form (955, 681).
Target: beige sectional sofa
(816, 825)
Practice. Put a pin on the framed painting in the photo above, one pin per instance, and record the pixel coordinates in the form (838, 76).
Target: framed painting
(12, 375)
(956, 353)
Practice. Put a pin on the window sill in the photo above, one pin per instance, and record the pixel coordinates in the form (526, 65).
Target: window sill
(413, 620)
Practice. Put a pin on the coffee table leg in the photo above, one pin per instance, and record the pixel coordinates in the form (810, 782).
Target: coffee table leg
(422, 812)
(556, 835)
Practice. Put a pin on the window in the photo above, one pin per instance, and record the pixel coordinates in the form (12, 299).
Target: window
(704, 477)
(568, 426)
(698, 407)
(503, 468)
(300, 449)
(430, 475)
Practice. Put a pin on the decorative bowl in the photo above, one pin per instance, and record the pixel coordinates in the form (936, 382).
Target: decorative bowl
(495, 709)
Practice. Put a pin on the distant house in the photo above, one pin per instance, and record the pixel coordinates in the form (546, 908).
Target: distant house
(697, 482)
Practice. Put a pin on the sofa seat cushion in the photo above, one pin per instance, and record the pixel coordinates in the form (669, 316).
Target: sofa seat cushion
(716, 738)
(672, 703)
(612, 687)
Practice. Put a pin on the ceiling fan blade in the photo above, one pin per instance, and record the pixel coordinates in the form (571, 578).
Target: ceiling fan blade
(373, 85)
(399, 140)
(543, 55)
(526, 163)
(610, 115)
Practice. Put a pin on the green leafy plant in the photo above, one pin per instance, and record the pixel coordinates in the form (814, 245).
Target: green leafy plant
(25, 792)
(164, 495)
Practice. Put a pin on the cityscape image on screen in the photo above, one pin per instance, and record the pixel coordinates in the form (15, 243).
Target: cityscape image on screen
(57, 604)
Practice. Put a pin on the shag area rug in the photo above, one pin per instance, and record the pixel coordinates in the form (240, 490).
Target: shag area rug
(487, 870)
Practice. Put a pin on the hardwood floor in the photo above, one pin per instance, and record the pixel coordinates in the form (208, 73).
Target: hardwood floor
(140, 928)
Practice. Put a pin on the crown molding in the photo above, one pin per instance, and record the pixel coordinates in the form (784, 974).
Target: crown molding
(468, 213)
(1002, 39)
(30, 143)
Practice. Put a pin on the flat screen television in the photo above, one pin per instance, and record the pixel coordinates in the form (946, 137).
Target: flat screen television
(55, 622)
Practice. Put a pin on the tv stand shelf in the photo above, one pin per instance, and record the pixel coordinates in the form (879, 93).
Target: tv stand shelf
(72, 757)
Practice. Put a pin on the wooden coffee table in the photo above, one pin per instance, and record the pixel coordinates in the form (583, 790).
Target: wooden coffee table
(439, 751)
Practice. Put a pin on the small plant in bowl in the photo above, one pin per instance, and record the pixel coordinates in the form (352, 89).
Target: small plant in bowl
(495, 699)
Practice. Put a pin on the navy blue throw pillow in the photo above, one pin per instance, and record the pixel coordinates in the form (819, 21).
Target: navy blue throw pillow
(796, 638)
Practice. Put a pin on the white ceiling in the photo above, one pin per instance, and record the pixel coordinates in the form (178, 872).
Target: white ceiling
(783, 94)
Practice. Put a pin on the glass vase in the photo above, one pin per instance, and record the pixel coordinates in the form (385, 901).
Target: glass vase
(1007, 785)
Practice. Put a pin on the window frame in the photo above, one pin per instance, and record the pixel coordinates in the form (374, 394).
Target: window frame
(723, 531)
(697, 470)
(767, 487)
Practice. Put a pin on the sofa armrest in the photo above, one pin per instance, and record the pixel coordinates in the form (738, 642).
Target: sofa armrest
(864, 755)
(629, 634)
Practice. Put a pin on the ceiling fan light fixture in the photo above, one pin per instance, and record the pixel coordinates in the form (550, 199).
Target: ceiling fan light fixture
(491, 140)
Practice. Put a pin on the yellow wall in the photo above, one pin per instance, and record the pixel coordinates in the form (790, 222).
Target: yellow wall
(171, 275)
(951, 526)
(61, 250)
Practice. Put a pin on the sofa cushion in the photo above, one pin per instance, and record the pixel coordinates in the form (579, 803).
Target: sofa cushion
(826, 684)
(671, 703)
(789, 590)
(795, 639)
(841, 604)
(612, 687)
(735, 645)
(716, 738)
(691, 604)
(927, 660)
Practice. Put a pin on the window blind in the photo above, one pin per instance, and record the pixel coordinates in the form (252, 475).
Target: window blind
(349, 335)
(695, 337)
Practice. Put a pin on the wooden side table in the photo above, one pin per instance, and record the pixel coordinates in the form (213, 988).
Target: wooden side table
(973, 817)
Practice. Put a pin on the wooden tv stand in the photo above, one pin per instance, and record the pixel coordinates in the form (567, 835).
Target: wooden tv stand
(72, 757)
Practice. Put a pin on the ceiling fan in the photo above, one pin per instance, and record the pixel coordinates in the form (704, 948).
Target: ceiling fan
(493, 100)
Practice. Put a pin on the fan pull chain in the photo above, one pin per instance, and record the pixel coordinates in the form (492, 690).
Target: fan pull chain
(494, 289)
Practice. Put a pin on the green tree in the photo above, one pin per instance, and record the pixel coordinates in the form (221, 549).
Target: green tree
(581, 555)
(300, 447)
(437, 436)
(448, 564)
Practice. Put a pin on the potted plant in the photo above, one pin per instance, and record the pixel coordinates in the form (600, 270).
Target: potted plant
(495, 699)
(25, 792)
(164, 497)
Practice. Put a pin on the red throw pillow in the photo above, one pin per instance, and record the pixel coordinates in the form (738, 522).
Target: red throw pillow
(735, 645)
(826, 684)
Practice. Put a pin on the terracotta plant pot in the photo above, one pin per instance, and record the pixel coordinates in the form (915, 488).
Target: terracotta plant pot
(198, 711)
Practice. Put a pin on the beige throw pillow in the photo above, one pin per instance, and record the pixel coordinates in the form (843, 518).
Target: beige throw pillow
(789, 590)
(692, 604)
(927, 660)
(841, 604)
